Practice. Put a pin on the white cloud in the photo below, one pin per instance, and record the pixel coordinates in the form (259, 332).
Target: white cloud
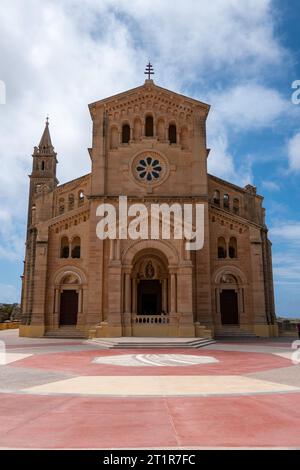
(294, 153)
(286, 266)
(289, 231)
(271, 185)
(249, 106)
(241, 108)
(57, 56)
(11, 237)
(286, 238)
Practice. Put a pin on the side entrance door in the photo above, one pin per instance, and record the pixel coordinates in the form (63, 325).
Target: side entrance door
(229, 307)
(68, 307)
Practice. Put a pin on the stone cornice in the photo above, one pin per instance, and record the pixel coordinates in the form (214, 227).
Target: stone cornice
(233, 218)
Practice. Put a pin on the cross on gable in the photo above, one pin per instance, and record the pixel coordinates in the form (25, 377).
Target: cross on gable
(149, 71)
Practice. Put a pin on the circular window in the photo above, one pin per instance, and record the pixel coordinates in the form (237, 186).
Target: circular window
(149, 167)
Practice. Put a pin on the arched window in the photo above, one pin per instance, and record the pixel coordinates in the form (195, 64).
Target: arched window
(125, 134)
(226, 201)
(76, 247)
(222, 252)
(161, 130)
(64, 247)
(149, 126)
(43, 166)
(61, 206)
(80, 198)
(137, 129)
(233, 248)
(184, 138)
(216, 198)
(114, 138)
(71, 202)
(172, 134)
(236, 206)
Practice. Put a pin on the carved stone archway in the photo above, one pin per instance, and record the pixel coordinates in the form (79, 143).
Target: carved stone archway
(67, 280)
(230, 286)
(150, 267)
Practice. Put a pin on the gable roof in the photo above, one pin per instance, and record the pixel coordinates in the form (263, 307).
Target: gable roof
(149, 86)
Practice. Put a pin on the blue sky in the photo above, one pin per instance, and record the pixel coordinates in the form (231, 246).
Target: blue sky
(240, 56)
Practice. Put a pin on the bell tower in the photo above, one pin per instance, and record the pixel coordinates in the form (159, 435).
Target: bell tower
(43, 175)
(42, 180)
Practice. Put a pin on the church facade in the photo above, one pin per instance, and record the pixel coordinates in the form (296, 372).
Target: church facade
(148, 144)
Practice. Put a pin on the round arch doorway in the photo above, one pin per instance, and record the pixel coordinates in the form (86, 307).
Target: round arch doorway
(229, 300)
(149, 297)
(69, 300)
(150, 284)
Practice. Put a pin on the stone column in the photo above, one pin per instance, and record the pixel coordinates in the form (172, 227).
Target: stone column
(56, 300)
(134, 296)
(80, 301)
(55, 322)
(111, 250)
(186, 254)
(127, 293)
(165, 295)
(173, 294)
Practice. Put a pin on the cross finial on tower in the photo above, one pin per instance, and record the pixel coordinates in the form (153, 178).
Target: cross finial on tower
(45, 144)
(149, 71)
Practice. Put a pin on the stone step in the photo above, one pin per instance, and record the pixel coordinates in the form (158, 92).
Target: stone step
(65, 333)
(234, 332)
(115, 344)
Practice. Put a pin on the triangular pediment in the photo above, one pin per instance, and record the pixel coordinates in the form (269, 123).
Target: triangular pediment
(150, 94)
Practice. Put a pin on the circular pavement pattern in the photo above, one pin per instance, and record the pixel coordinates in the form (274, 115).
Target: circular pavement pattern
(155, 360)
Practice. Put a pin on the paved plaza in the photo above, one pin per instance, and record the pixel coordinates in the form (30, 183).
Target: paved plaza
(66, 394)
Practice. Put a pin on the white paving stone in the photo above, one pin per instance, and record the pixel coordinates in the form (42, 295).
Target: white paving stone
(155, 360)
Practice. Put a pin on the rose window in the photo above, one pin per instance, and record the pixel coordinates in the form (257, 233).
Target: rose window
(149, 169)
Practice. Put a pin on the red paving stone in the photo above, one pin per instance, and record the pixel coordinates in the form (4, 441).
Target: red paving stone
(62, 422)
(79, 363)
(42, 345)
(79, 422)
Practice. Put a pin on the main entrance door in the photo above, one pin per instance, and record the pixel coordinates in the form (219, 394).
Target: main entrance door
(229, 307)
(149, 298)
(68, 307)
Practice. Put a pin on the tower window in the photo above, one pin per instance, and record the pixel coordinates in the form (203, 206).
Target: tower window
(226, 201)
(61, 206)
(43, 166)
(149, 126)
(80, 198)
(64, 247)
(233, 248)
(71, 202)
(222, 252)
(172, 134)
(236, 206)
(76, 247)
(216, 198)
(125, 134)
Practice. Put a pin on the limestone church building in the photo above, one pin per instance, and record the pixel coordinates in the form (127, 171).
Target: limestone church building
(148, 144)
